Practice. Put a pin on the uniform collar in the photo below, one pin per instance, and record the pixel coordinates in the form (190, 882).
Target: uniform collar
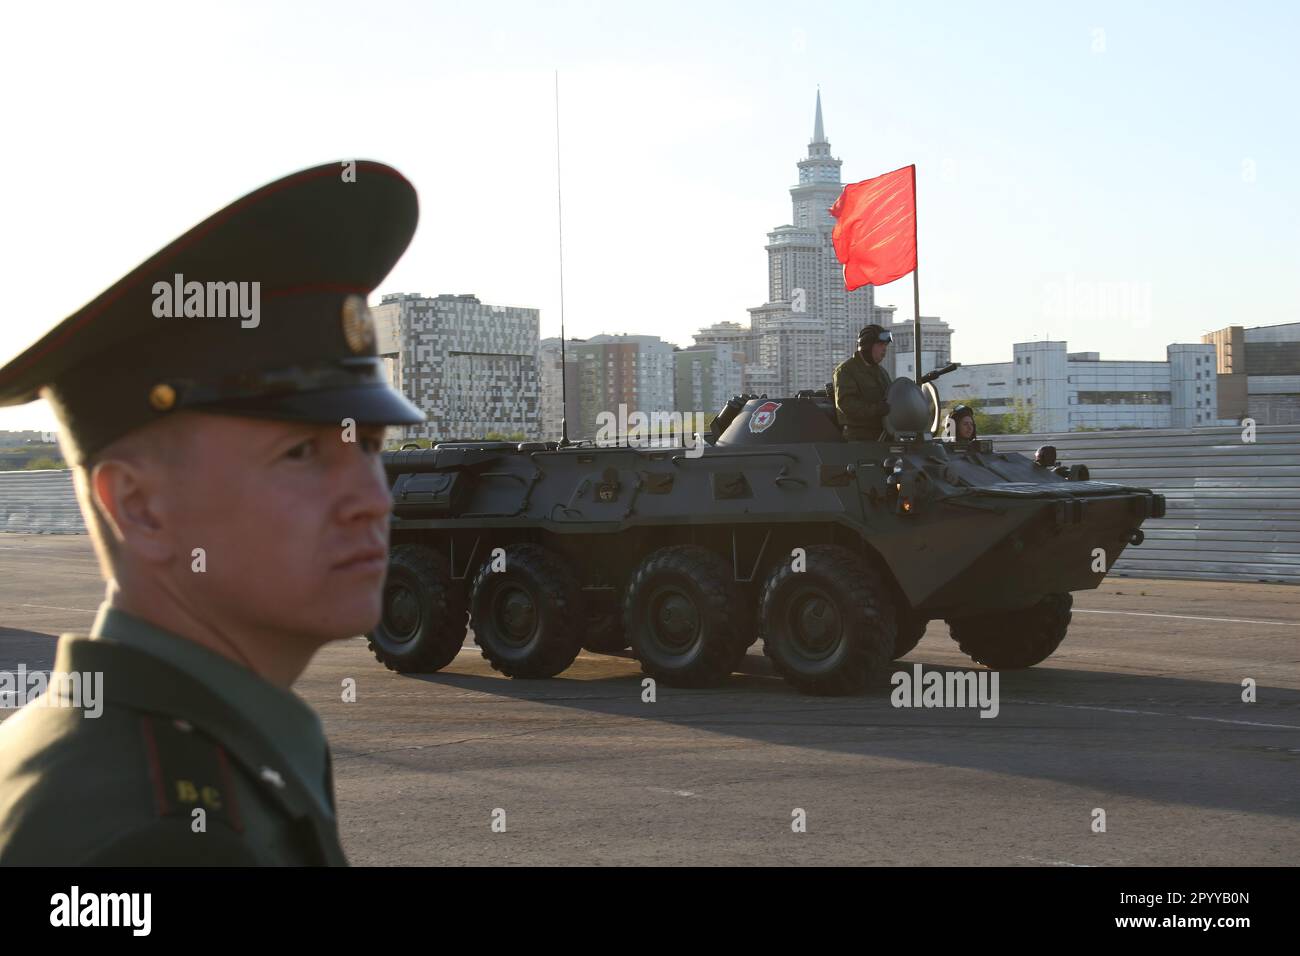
(287, 722)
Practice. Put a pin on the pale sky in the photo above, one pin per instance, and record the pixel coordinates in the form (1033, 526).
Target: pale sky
(1116, 176)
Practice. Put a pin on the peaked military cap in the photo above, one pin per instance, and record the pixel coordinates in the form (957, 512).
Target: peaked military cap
(259, 310)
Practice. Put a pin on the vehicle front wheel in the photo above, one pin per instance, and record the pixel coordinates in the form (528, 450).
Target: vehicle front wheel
(1012, 640)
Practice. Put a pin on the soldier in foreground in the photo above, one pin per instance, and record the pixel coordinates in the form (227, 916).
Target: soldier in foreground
(861, 384)
(223, 410)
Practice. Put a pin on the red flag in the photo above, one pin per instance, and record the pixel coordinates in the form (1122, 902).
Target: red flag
(875, 231)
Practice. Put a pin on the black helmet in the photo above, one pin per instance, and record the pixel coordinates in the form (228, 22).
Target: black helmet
(958, 412)
(872, 334)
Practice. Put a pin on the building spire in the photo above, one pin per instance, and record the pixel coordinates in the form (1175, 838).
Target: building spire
(819, 135)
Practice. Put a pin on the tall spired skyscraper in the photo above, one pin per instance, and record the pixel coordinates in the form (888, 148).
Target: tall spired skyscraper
(809, 323)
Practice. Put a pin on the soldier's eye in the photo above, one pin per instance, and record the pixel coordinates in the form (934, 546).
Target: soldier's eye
(372, 446)
(302, 451)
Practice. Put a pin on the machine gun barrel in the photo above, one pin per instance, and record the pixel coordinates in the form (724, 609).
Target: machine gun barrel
(931, 376)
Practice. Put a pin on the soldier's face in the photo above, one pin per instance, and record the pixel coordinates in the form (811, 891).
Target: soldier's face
(965, 428)
(878, 350)
(293, 520)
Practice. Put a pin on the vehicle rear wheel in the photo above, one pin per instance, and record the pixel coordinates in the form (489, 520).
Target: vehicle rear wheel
(830, 628)
(527, 617)
(1011, 640)
(686, 616)
(423, 623)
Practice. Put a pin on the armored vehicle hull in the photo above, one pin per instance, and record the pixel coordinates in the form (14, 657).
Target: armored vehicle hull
(837, 553)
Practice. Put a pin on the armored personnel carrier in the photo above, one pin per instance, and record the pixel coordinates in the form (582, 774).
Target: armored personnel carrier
(836, 553)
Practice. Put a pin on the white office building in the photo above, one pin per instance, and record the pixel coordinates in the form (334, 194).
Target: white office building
(1069, 391)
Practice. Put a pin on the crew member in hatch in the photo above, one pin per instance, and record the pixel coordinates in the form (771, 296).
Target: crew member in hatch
(861, 384)
(960, 425)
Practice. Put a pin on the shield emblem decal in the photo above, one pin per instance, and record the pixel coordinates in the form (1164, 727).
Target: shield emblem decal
(763, 417)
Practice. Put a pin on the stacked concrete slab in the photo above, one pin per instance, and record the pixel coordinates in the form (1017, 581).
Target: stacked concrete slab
(1234, 505)
(39, 502)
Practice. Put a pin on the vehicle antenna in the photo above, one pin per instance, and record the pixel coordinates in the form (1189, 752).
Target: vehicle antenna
(559, 217)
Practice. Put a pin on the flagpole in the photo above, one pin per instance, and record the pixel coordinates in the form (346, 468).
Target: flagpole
(916, 283)
(916, 326)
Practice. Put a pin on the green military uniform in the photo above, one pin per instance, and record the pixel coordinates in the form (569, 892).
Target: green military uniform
(860, 390)
(184, 729)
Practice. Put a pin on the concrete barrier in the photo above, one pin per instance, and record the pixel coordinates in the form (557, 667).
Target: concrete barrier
(1233, 505)
(39, 502)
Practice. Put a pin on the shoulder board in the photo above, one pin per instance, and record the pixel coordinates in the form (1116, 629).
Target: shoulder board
(189, 771)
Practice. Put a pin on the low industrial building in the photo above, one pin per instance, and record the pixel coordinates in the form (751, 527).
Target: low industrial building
(1071, 391)
(1259, 372)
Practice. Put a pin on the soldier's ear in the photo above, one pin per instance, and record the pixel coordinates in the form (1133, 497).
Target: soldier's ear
(129, 496)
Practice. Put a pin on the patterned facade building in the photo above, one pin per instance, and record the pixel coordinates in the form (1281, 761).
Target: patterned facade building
(471, 367)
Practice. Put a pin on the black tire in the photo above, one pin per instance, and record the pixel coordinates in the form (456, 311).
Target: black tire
(1012, 640)
(686, 617)
(424, 618)
(830, 628)
(911, 628)
(603, 632)
(527, 618)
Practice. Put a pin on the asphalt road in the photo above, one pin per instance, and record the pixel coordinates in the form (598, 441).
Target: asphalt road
(1139, 714)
